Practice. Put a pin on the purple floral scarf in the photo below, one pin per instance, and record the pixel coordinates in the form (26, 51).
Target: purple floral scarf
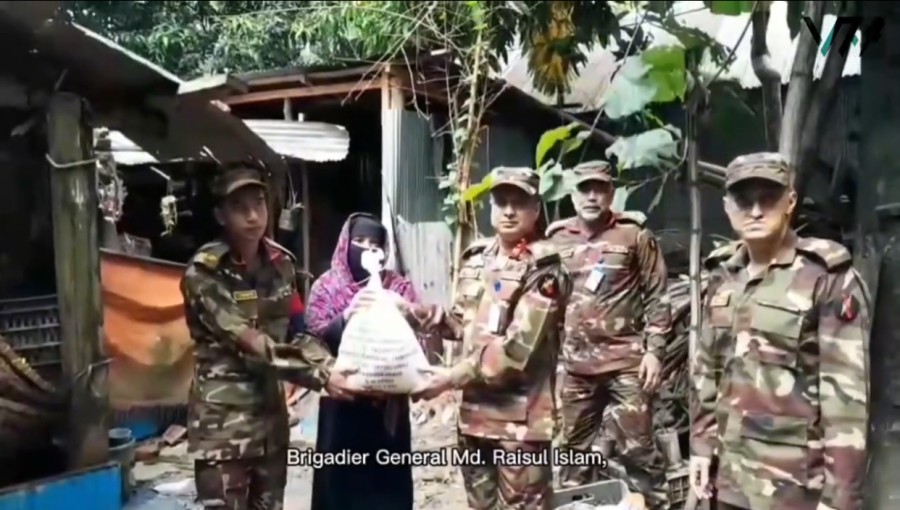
(332, 292)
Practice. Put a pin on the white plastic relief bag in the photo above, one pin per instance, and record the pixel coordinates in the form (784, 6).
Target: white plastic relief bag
(379, 344)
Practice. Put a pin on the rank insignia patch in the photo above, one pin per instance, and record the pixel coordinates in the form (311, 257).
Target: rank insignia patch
(547, 286)
(848, 308)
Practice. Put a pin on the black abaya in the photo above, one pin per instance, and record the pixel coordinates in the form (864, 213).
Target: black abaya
(359, 426)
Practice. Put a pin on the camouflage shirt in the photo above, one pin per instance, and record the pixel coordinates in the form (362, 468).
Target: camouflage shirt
(236, 402)
(508, 313)
(619, 307)
(780, 376)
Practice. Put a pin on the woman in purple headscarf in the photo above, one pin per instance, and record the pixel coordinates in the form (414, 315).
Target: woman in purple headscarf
(363, 425)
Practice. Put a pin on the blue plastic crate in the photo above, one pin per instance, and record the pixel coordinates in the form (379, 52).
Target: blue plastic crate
(96, 488)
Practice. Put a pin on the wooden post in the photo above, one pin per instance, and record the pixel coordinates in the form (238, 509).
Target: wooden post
(74, 205)
(391, 99)
(307, 225)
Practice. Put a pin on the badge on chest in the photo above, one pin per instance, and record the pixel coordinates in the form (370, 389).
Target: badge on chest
(595, 278)
(720, 299)
(495, 319)
(495, 315)
(247, 300)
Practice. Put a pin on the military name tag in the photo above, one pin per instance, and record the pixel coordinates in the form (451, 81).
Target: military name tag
(594, 279)
(721, 299)
(244, 295)
(494, 319)
(612, 248)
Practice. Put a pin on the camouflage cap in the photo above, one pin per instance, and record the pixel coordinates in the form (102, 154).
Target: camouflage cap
(235, 178)
(769, 166)
(597, 170)
(524, 178)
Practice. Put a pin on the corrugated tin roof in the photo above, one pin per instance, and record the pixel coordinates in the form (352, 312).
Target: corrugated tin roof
(594, 78)
(310, 141)
(143, 96)
(96, 65)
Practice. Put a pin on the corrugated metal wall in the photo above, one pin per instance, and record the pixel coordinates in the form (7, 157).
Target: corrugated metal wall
(414, 188)
(500, 146)
(412, 162)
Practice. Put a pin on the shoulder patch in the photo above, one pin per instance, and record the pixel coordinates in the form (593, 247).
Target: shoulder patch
(546, 253)
(210, 254)
(272, 245)
(555, 227)
(633, 217)
(721, 253)
(477, 246)
(547, 286)
(848, 308)
(828, 253)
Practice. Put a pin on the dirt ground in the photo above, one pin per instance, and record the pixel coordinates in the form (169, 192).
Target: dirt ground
(166, 483)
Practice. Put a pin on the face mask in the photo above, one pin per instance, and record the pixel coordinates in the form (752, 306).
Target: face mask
(354, 261)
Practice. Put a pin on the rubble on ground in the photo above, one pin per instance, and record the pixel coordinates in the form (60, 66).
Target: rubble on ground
(166, 482)
(433, 428)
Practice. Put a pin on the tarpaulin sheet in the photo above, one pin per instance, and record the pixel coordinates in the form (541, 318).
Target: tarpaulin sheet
(145, 332)
(146, 336)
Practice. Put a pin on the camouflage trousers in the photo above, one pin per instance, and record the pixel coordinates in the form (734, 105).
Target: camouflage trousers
(585, 398)
(242, 484)
(503, 487)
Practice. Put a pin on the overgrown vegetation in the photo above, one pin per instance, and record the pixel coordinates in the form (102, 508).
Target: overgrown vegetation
(201, 37)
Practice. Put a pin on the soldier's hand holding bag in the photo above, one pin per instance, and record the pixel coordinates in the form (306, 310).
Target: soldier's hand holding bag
(378, 341)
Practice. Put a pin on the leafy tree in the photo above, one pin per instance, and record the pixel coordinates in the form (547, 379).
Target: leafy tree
(193, 37)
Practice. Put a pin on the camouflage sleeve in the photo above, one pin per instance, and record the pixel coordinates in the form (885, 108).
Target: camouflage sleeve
(435, 320)
(654, 287)
(207, 300)
(308, 363)
(704, 388)
(535, 315)
(315, 360)
(843, 388)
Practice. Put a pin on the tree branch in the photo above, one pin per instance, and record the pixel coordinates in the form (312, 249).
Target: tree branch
(823, 99)
(798, 98)
(769, 76)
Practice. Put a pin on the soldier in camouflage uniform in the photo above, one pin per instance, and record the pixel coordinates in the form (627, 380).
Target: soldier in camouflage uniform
(237, 293)
(617, 322)
(508, 313)
(780, 372)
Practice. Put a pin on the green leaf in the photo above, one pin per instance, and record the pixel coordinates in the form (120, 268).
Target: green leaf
(475, 191)
(650, 148)
(555, 184)
(620, 198)
(448, 181)
(570, 145)
(548, 178)
(450, 215)
(549, 140)
(729, 7)
(667, 73)
(629, 93)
